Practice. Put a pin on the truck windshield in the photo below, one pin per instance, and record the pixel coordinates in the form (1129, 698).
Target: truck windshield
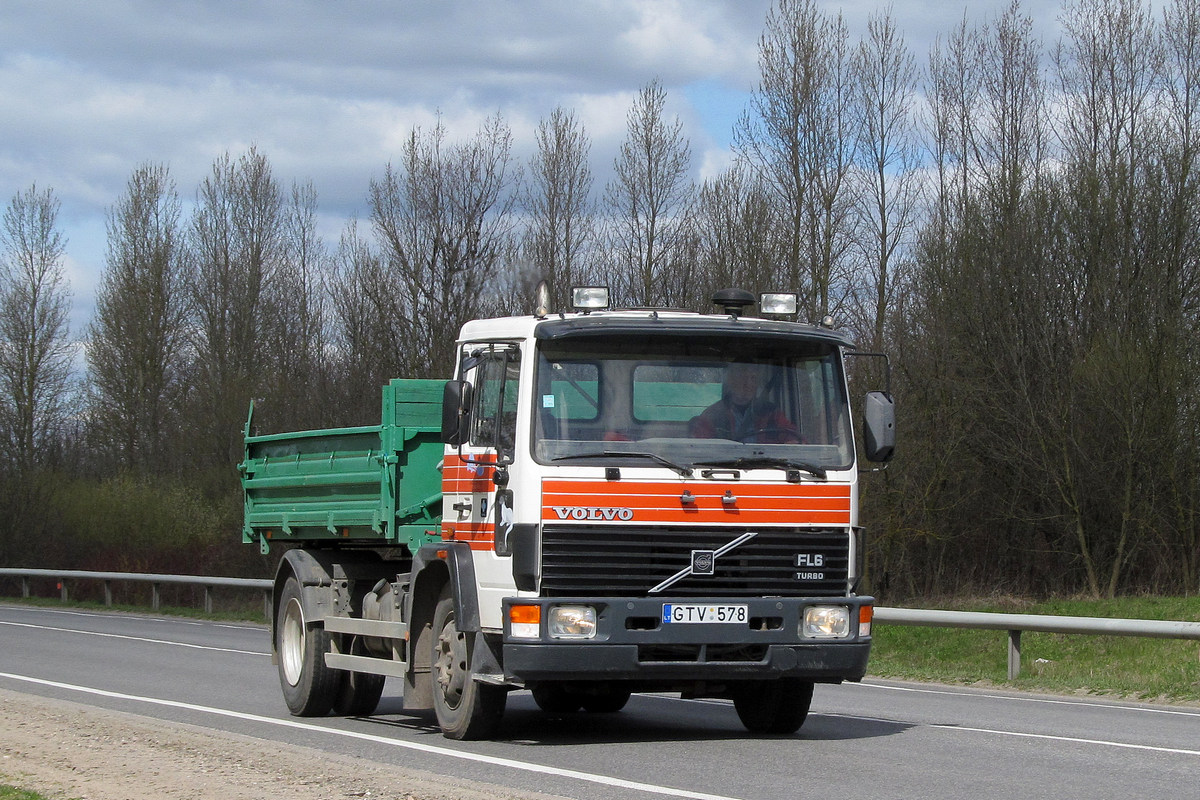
(692, 402)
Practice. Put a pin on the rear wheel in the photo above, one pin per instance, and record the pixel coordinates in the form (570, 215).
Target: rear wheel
(775, 707)
(465, 708)
(358, 692)
(309, 687)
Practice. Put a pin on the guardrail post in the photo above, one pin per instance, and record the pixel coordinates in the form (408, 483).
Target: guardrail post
(207, 599)
(108, 593)
(25, 588)
(267, 604)
(1014, 654)
(155, 600)
(62, 585)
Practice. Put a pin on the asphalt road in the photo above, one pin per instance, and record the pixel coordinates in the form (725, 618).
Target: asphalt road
(873, 740)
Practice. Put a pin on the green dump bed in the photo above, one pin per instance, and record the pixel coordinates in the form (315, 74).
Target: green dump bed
(377, 485)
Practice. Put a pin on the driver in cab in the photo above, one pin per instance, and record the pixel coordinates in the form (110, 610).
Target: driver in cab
(741, 414)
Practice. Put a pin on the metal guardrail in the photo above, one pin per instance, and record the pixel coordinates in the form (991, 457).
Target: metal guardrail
(1014, 624)
(155, 581)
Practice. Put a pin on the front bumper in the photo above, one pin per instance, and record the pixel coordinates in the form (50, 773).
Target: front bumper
(632, 643)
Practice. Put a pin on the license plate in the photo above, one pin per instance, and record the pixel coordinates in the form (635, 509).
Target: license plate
(701, 613)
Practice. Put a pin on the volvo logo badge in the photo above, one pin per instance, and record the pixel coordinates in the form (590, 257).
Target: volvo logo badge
(593, 513)
(703, 562)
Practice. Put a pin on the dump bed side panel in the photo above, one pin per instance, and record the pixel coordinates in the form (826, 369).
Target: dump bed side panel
(413, 433)
(376, 485)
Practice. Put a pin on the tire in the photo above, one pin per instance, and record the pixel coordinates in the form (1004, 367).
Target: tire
(773, 707)
(358, 692)
(465, 708)
(309, 687)
(606, 701)
(555, 698)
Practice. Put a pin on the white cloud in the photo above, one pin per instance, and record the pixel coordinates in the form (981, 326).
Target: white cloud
(330, 91)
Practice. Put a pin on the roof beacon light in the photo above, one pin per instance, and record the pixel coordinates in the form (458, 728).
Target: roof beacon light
(733, 301)
(589, 298)
(779, 304)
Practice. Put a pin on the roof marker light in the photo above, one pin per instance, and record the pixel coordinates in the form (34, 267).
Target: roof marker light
(779, 304)
(589, 298)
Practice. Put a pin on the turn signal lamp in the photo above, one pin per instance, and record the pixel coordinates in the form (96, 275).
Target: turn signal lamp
(525, 622)
(778, 304)
(825, 622)
(865, 614)
(589, 298)
(572, 622)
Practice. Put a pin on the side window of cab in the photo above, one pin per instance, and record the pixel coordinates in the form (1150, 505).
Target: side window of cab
(494, 402)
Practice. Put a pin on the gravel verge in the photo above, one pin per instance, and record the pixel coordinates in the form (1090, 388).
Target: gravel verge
(68, 750)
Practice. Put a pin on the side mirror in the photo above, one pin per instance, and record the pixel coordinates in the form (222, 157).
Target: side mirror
(879, 426)
(456, 401)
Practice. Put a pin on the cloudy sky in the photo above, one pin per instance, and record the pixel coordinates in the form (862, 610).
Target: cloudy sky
(328, 90)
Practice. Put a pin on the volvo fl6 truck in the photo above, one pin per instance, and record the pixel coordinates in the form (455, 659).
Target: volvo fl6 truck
(598, 502)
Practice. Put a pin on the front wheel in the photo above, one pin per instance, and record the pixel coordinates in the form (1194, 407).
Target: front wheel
(774, 707)
(555, 698)
(309, 687)
(465, 708)
(606, 701)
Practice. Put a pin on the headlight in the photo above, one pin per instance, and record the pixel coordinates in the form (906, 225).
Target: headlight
(825, 622)
(572, 622)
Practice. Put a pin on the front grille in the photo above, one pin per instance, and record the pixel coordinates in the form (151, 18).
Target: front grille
(620, 561)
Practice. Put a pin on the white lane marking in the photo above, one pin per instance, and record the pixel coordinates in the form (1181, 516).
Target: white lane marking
(1020, 699)
(134, 638)
(1101, 742)
(541, 769)
(137, 617)
(1072, 739)
(1018, 734)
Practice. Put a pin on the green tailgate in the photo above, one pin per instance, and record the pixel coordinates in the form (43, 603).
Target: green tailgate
(376, 485)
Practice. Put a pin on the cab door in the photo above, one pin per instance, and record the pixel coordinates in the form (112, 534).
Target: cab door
(475, 471)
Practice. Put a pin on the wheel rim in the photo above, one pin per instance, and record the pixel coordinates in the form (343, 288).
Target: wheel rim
(450, 667)
(291, 641)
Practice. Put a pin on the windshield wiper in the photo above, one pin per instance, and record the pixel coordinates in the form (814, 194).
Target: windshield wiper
(758, 462)
(666, 462)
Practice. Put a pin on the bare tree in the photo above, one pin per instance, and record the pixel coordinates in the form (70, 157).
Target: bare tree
(237, 238)
(297, 335)
(953, 93)
(370, 327)
(138, 336)
(1109, 70)
(444, 223)
(983, 332)
(798, 136)
(1181, 82)
(557, 199)
(648, 207)
(736, 228)
(888, 186)
(35, 351)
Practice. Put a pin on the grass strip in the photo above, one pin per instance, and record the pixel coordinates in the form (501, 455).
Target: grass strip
(1130, 667)
(13, 793)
